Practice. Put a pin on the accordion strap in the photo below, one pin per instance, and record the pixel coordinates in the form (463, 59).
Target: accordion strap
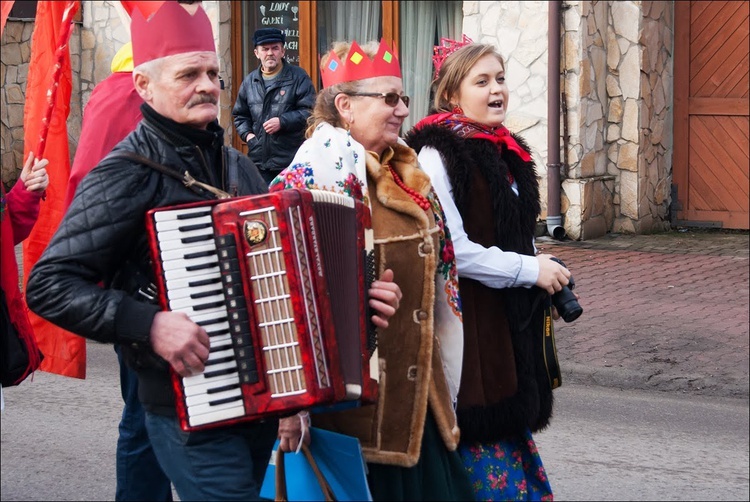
(186, 179)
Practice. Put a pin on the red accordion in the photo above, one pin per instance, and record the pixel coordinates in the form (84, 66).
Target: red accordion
(278, 281)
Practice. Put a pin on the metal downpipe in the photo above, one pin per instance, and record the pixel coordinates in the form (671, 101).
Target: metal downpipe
(554, 218)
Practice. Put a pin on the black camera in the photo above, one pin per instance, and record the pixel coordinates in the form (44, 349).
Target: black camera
(565, 301)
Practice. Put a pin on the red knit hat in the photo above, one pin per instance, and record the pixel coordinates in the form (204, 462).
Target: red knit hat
(170, 30)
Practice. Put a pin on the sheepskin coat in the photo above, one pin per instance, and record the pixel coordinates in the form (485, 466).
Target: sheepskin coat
(407, 240)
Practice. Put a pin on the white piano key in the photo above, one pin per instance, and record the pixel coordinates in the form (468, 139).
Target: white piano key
(176, 294)
(182, 274)
(217, 341)
(195, 389)
(219, 318)
(205, 398)
(221, 353)
(217, 414)
(198, 247)
(178, 244)
(191, 311)
(183, 264)
(201, 378)
(177, 235)
(175, 224)
(182, 303)
(177, 284)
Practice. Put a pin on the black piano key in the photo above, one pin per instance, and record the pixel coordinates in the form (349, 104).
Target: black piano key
(215, 373)
(220, 360)
(202, 266)
(225, 400)
(196, 238)
(196, 226)
(223, 388)
(204, 282)
(215, 320)
(199, 254)
(197, 214)
(217, 332)
(219, 348)
(204, 294)
(208, 306)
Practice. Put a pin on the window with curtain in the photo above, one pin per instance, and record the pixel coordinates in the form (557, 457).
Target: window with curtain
(422, 24)
(360, 21)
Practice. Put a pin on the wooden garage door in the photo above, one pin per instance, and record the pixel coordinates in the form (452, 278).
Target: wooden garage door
(712, 117)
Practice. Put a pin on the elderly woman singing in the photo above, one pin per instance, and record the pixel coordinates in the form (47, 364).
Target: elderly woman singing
(409, 437)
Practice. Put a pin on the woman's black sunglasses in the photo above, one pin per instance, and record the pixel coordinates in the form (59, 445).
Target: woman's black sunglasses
(391, 98)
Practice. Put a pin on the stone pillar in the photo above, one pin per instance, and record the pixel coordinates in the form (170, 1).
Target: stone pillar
(625, 76)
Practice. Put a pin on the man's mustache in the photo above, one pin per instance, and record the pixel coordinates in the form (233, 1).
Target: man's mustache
(202, 98)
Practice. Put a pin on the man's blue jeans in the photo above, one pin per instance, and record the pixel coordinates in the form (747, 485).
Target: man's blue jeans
(213, 464)
(139, 476)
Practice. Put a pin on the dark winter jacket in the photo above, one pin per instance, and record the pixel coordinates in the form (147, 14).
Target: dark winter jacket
(290, 97)
(102, 240)
(504, 385)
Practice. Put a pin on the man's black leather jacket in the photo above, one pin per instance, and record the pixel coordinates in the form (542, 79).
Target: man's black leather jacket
(102, 241)
(291, 97)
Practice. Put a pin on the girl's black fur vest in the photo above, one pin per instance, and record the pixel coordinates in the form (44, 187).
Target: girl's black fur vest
(475, 167)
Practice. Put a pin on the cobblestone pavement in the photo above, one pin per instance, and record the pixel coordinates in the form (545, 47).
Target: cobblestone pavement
(666, 312)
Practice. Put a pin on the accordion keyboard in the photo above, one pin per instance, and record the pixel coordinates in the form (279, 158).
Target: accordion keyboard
(194, 286)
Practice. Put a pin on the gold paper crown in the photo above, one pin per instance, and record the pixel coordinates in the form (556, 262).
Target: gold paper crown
(357, 65)
(445, 49)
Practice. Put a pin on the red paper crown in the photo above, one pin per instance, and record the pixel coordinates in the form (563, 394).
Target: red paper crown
(170, 30)
(445, 49)
(146, 8)
(357, 65)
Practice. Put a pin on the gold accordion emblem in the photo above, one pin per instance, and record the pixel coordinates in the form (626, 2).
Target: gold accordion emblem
(255, 232)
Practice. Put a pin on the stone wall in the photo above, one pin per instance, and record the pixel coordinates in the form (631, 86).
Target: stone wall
(519, 31)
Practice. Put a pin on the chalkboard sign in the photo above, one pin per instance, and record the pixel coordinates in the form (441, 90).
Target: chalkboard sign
(281, 15)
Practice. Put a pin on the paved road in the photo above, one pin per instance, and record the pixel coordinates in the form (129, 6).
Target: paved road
(59, 435)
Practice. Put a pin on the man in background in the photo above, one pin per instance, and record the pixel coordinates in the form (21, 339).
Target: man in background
(273, 104)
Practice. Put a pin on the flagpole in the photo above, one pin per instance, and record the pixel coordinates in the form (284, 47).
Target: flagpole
(66, 29)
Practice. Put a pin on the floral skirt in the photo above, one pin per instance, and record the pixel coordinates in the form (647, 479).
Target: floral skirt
(506, 470)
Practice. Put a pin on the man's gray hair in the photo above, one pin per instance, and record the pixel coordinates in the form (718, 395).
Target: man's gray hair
(151, 68)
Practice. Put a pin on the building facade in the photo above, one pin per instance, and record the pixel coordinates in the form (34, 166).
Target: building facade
(631, 153)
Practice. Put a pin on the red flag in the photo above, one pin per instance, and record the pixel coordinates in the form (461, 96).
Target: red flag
(5, 7)
(64, 352)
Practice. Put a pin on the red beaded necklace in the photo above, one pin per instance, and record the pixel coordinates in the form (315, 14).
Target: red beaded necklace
(420, 199)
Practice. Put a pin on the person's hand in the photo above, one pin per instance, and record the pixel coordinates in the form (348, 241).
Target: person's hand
(272, 125)
(181, 342)
(249, 137)
(384, 298)
(290, 431)
(552, 276)
(34, 174)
